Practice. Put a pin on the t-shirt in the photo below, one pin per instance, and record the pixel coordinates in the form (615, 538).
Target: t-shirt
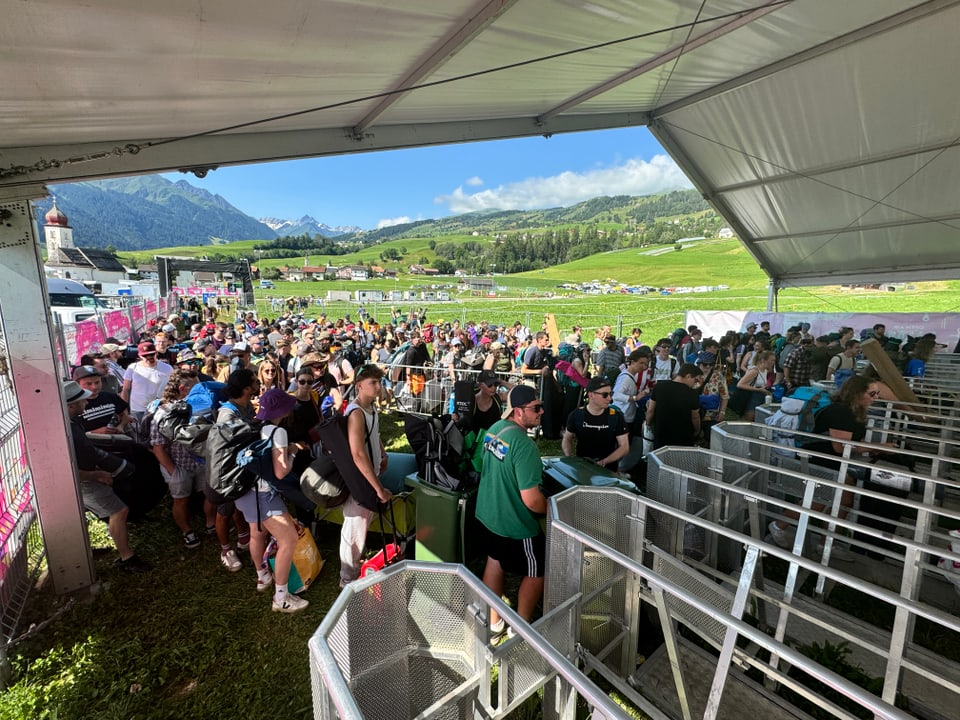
(533, 358)
(841, 362)
(596, 434)
(101, 409)
(672, 421)
(146, 383)
(664, 369)
(511, 463)
(483, 419)
(834, 417)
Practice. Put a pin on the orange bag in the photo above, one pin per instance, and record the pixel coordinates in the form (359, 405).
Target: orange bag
(416, 383)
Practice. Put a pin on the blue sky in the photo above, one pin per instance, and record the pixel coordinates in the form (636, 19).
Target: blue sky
(386, 188)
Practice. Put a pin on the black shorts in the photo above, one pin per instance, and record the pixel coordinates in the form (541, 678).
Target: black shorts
(524, 557)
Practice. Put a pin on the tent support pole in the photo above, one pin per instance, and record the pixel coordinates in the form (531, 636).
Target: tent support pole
(773, 292)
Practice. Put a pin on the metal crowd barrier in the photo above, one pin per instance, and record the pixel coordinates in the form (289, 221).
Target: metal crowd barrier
(413, 641)
(732, 640)
(21, 543)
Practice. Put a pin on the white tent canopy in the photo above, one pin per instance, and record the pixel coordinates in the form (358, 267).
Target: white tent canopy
(824, 131)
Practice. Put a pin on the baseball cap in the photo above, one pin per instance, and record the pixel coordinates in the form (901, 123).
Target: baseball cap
(240, 347)
(186, 356)
(487, 377)
(84, 371)
(597, 383)
(202, 343)
(146, 348)
(706, 358)
(110, 347)
(73, 392)
(519, 396)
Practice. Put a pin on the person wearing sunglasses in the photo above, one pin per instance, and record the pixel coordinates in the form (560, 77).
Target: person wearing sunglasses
(509, 501)
(145, 380)
(597, 428)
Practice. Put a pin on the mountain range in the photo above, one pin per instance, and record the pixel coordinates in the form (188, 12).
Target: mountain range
(306, 226)
(148, 212)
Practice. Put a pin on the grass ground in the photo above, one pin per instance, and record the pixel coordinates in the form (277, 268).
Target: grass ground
(187, 640)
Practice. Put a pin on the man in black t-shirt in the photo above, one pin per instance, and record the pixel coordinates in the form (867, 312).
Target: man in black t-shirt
(673, 410)
(600, 432)
(101, 406)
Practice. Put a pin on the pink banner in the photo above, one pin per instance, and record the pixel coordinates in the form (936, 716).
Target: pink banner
(151, 309)
(162, 306)
(136, 312)
(946, 326)
(88, 339)
(117, 324)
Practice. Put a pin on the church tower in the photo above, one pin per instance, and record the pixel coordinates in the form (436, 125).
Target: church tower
(57, 232)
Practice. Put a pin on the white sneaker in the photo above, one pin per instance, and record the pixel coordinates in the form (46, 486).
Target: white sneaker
(289, 604)
(264, 583)
(230, 561)
(783, 537)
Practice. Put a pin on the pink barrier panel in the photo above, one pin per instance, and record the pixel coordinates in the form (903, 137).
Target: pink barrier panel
(117, 324)
(136, 312)
(151, 309)
(88, 338)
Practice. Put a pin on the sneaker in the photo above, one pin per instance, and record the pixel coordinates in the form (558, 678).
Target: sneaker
(243, 541)
(264, 582)
(289, 604)
(133, 565)
(498, 628)
(783, 537)
(231, 562)
(191, 540)
(211, 529)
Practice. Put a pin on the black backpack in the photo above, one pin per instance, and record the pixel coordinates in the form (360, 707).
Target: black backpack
(176, 416)
(227, 479)
(331, 433)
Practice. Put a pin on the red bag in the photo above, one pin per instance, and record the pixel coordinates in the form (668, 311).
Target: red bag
(391, 553)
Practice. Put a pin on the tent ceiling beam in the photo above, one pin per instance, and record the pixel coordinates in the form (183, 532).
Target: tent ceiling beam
(240, 148)
(821, 232)
(657, 61)
(469, 27)
(836, 167)
(889, 23)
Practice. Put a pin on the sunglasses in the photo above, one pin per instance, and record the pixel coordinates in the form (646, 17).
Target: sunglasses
(537, 408)
(304, 381)
(874, 393)
(148, 356)
(269, 371)
(603, 394)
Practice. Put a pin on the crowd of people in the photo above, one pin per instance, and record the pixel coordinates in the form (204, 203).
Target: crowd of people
(607, 399)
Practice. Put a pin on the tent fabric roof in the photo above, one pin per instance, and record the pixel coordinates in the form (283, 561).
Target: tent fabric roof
(825, 132)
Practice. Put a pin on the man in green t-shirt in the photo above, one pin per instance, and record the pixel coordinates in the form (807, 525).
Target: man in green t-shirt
(509, 500)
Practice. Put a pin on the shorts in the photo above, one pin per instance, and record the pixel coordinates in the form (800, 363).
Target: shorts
(183, 483)
(524, 556)
(100, 499)
(270, 502)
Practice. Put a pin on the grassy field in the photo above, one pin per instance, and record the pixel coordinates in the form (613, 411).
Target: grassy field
(528, 296)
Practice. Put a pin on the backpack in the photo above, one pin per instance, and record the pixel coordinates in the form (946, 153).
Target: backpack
(428, 333)
(331, 433)
(257, 458)
(797, 412)
(174, 417)
(678, 339)
(395, 362)
(224, 441)
(566, 354)
(205, 398)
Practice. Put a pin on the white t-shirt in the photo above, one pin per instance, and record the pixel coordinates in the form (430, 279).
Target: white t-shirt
(663, 369)
(146, 383)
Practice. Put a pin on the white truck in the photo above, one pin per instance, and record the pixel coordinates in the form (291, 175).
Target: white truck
(72, 301)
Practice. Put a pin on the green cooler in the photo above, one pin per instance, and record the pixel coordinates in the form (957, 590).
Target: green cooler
(445, 521)
(561, 473)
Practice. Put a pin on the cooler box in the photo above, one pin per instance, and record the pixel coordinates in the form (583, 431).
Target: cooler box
(561, 473)
(445, 522)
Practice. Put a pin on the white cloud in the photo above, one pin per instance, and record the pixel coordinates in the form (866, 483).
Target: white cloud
(474, 182)
(390, 222)
(632, 177)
